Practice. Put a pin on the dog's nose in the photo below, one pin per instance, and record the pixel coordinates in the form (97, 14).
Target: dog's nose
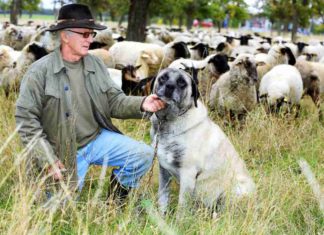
(169, 88)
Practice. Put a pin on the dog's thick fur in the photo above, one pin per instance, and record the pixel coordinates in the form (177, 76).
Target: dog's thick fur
(192, 148)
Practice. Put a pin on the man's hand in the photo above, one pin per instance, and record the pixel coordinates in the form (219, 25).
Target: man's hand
(152, 103)
(57, 171)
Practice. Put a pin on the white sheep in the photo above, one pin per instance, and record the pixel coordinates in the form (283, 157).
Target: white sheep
(7, 57)
(314, 52)
(312, 74)
(11, 76)
(199, 51)
(104, 55)
(150, 56)
(281, 86)
(17, 36)
(234, 93)
(278, 54)
(104, 39)
(49, 40)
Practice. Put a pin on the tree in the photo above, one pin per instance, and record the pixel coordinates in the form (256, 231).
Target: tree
(30, 6)
(15, 9)
(137, 19)
(118, 9)
(295, 12)
(220, 9)
(97, 7)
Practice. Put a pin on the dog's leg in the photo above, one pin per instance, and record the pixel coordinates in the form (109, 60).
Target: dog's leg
(164, 189)
(187, 184)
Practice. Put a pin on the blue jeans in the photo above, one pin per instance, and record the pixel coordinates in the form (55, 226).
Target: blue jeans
(132, 158)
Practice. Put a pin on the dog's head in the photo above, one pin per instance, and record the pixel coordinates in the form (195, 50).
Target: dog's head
(177, 88)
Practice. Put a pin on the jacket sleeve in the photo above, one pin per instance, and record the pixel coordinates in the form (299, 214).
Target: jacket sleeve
(28, 117)
(123, 106)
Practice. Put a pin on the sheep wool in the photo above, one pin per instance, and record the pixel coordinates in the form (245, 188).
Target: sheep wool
(235, 92)
(282, 83)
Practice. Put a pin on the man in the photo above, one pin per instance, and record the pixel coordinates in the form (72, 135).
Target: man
(65, 104)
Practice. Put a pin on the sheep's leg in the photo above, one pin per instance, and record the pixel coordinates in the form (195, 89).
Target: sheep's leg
(297, 110)
(317, 101)
(164, 189)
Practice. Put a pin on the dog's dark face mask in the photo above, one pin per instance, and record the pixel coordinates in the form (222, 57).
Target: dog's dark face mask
(177, 88)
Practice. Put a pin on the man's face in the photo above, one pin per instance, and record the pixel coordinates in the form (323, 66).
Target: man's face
(77, 42)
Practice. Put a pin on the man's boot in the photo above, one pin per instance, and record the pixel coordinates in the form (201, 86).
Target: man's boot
(117, 192)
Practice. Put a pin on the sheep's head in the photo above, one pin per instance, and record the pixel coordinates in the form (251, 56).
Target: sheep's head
(14, 33)
(219, 64)
(180, 50)
(224, 47)
(282, 55)
(244, 69)
(49, 40)
(201, 50)
(151, 57)
(5, 59)
(311, 53)
(35, 50)
(130, 73)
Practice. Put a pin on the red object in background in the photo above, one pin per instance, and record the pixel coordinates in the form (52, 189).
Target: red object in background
(207, 23)
(195, 23)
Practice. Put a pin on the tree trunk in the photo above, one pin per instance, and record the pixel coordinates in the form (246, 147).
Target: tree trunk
(180, 22)
(219, 26)
(189, 20)
(137, 18)
(121, 19)
(112, 16)
(14, 11)
(294, 22)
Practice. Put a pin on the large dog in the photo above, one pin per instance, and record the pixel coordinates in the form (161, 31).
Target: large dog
(191, 147)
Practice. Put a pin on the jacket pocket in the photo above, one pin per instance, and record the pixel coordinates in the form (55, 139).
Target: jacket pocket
(50, 91)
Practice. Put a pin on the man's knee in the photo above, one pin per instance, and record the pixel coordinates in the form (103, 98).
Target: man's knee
(147, 156)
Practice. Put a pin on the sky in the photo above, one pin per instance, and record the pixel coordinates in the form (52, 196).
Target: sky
(48, 4)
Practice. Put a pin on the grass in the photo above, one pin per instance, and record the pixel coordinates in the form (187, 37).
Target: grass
(271, 147)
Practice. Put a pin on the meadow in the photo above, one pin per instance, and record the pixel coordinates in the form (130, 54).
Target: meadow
(270, 145)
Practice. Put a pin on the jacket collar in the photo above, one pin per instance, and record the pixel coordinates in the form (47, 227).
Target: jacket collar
(58, 64)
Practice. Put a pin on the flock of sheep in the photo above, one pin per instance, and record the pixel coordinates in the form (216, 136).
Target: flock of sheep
(236, 72)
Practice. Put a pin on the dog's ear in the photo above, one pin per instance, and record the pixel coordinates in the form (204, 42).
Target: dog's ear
(153, 79)
(194, 86)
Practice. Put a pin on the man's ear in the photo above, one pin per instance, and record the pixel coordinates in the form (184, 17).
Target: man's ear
(64, 37)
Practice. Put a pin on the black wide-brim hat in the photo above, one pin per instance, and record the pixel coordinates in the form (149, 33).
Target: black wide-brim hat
(75, 16)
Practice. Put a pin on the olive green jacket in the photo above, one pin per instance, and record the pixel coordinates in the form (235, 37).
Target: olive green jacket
(44, 107)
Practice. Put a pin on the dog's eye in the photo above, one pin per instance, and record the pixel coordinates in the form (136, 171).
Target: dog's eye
(163, 79)
(181, 83)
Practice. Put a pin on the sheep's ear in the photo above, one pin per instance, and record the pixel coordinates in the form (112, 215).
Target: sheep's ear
(231, 58)
(194, 86)
(195, 47)
(145, 55)
(119, 66)
(314, 78)
(291, 57)
(261, 49)
(220, 46)
(138, 66)
(260, 63)
(153, 79)
(239, 62)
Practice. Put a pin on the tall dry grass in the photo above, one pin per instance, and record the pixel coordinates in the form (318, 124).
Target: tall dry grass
(271, 147)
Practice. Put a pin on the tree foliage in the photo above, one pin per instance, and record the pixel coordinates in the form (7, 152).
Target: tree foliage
(295, 12)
